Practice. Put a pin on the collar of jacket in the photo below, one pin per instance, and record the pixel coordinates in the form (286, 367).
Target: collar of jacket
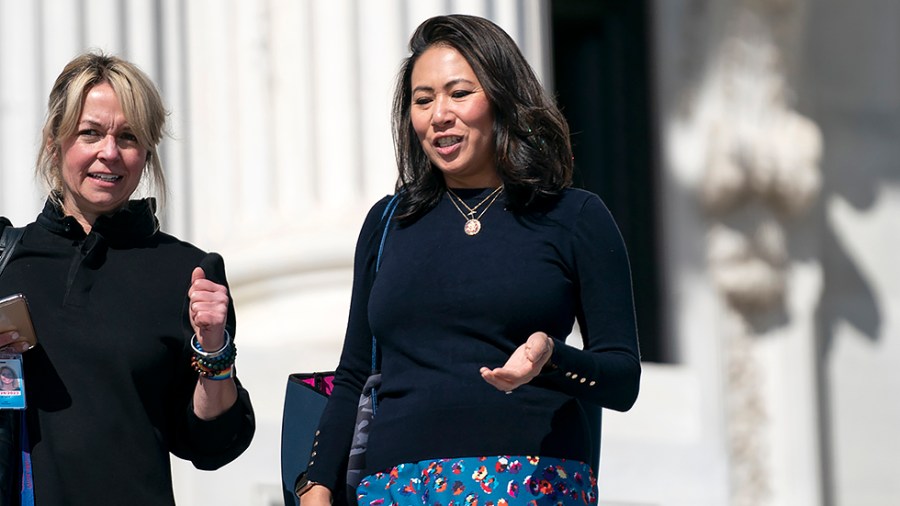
(134, 222)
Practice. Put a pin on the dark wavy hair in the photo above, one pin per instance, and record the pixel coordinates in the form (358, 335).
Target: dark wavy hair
(531, 137)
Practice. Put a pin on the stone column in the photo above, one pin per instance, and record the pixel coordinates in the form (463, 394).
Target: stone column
(761, 177)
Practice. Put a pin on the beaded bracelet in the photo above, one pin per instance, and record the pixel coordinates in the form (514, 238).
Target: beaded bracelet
(203, 367)
(220, 362)
(206, 370)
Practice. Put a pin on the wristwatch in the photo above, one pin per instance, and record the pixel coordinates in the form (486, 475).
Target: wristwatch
(303, 484)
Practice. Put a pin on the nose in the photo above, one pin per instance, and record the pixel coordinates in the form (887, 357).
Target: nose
(443, 111)
(109, 148)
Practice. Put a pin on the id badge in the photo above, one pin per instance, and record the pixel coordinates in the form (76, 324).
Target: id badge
(12, 384)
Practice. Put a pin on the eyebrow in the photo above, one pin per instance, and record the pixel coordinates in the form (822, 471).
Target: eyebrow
(96, 124)
(448, 84)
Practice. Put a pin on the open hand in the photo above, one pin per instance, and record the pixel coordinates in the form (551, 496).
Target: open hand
(523, 365)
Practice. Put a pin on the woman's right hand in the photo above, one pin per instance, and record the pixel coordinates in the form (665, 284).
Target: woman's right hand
(8, 342)
(318, 495)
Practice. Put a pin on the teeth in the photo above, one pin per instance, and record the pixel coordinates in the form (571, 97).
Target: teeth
(448, 141)
(109, 178)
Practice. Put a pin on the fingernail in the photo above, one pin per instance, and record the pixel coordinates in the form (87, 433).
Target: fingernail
(24, 347)
(14, 336)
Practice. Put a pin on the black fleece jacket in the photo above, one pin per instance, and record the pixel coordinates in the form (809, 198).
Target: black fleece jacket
(109, 386)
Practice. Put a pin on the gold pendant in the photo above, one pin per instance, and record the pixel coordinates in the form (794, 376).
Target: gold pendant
(472, 227)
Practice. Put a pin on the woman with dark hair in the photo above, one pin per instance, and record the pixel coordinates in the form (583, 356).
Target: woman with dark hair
(531, 147)
(490, 261)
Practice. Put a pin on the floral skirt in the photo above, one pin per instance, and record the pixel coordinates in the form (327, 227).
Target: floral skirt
(481, 481)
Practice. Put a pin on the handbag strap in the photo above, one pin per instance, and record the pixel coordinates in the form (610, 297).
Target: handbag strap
(389, 214)
(8, 240)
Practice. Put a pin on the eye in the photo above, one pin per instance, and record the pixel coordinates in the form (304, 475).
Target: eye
(422, 100)
(458, 94)
(128, 137)
(89, 133)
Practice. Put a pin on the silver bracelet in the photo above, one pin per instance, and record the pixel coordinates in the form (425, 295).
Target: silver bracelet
(210, 354)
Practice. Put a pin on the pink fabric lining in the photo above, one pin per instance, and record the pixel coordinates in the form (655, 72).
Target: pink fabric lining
(324, 384)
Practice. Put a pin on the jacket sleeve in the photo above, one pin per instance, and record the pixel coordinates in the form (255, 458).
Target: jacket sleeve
(210, 444)
(328, 463)
(607, 370)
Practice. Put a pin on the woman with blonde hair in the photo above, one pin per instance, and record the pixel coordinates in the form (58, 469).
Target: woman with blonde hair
(136, 329)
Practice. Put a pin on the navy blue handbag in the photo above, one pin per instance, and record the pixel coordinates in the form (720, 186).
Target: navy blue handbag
(305, 400)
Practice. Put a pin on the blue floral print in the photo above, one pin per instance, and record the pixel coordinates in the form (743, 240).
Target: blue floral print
(482, 481)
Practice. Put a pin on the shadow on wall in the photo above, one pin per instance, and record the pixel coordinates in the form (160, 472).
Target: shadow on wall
(853, 101)
(851, 98)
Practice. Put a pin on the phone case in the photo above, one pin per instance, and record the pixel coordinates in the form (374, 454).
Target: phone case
(14, 315)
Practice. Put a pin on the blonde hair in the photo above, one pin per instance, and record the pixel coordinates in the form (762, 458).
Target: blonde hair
(140, 100)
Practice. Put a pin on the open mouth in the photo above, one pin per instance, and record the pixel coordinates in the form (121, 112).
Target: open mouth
(106, 178)
(444, 142)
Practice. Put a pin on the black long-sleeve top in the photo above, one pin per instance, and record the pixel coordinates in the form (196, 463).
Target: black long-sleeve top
(444, 304)
(109, 386)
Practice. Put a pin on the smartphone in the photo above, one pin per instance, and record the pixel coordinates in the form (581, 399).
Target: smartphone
(14, 315)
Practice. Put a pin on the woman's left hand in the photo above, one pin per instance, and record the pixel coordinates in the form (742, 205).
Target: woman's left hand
(523, 365)
(10, 342)
(208, 310)
(208, 313)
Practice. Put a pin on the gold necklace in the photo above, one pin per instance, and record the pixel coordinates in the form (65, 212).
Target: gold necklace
(473, 223)
(473, 209)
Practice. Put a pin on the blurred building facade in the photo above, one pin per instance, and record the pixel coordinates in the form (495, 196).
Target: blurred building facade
(758, 197)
